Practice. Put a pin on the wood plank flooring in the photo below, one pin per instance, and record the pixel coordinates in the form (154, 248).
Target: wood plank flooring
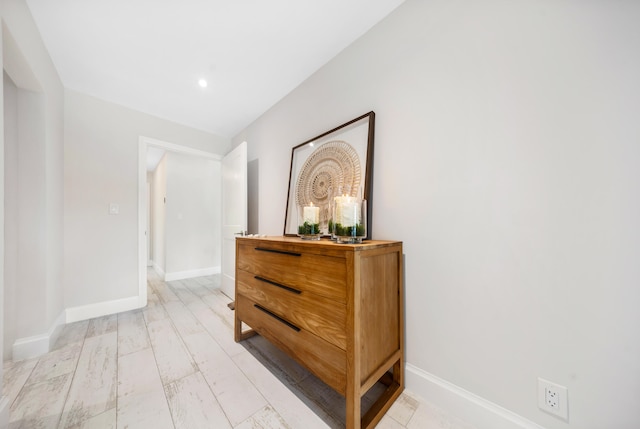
(174, 365)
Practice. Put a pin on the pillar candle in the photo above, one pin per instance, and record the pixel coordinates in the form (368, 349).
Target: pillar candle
(349, 212)
(337, 212)
(311, 214)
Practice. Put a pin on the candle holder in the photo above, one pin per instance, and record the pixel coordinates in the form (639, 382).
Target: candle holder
(350, 220)
(332, 193)
(309, 222)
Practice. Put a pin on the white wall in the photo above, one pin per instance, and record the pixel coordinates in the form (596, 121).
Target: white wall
(35, 134)
(10, 189)
(101, 167)
(506, 160)
(25, 199)
(4, 400)
(192, 221)
(36, 140)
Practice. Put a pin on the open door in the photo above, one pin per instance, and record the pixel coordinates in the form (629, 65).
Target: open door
(234, 212)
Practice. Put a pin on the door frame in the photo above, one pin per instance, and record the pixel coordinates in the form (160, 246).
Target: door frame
(143, 144)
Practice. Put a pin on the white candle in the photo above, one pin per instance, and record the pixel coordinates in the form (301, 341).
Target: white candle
(349, 212)
(311, 214)
(337, 202)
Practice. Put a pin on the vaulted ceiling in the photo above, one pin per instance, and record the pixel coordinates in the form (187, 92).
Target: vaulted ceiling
(149, 55)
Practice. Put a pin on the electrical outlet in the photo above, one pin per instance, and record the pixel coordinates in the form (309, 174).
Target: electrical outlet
(553, 398)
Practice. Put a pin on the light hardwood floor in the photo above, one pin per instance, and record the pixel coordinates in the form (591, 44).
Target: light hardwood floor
(174, 364)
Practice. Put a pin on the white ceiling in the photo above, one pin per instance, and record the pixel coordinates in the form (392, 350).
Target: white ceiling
(148, 55)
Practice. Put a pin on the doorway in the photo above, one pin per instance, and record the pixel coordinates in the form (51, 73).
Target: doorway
(159, 148)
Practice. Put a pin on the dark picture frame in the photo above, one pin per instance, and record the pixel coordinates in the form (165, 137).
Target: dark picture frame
(341, 158)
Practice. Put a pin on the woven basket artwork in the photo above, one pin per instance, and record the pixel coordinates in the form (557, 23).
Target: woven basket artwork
(333, 166)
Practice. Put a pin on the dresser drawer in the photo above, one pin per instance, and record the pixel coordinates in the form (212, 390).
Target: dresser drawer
(324, 359)
(319, 315)
(323, 275)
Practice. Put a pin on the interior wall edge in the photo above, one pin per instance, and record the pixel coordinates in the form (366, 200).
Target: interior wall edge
(36, 345)
(16, 65)
(4, 411)
(158, 270)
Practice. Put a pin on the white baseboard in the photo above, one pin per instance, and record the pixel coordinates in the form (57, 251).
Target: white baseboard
(29, 347)
(179, 275)
(36, 345)
(84, 312)
(4, 411)
(473, 409)
(158, 270)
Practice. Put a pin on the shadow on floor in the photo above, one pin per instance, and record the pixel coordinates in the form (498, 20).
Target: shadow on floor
(325, 402)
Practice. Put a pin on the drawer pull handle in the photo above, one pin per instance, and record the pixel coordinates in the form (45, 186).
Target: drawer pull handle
(278, 318)
(271, 282)
(283, 252)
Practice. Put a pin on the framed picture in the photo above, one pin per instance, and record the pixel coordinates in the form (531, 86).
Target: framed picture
(337, 162)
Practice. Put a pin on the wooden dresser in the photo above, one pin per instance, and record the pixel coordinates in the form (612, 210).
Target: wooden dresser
(337, 309)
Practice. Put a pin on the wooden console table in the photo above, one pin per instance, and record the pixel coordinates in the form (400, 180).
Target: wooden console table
(337, 309)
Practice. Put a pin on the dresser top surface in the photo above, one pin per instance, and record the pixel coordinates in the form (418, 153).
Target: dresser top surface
(324, 242)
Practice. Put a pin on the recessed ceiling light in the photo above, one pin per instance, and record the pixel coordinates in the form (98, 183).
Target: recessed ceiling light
(202, 83)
